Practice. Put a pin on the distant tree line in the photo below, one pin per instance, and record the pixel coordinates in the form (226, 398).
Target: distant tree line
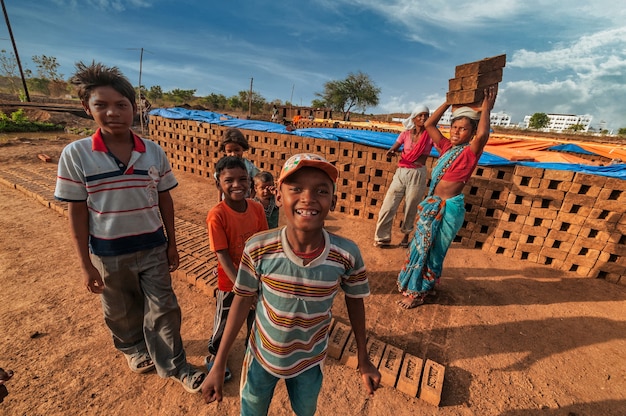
(356, 92)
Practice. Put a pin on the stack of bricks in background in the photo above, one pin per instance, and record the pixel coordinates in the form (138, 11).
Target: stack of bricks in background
(470, 80)
(400, 370)
(571, 221)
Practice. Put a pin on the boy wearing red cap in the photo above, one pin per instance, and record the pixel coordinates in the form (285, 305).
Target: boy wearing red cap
(295, 271)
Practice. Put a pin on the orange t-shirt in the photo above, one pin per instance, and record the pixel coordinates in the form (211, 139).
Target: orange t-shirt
(229, 230)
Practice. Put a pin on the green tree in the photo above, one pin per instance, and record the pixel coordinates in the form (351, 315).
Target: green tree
(539, 121)
(179, 96)
(576, 127)
(318, 103)
(621, 131)
(214, 101)
(155, 92)
(9, 69)
(47, 67)
(356, 92)
(258, 101)
(234, 103)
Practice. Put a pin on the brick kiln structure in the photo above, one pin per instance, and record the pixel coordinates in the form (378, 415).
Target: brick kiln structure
(569, 220)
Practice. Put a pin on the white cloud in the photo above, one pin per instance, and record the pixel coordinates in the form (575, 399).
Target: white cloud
(589, 78)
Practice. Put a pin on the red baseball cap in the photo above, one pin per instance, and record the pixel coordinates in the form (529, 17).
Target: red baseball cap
(301, 160)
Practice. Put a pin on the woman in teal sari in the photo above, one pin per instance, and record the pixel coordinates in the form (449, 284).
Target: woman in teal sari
(441, 214)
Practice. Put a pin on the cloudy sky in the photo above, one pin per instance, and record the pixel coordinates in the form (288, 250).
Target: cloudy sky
(563, 56)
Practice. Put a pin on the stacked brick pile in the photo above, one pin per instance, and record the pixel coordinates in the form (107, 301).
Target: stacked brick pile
(569, 220)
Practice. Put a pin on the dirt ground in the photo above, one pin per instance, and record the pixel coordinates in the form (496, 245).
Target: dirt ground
(516, 338)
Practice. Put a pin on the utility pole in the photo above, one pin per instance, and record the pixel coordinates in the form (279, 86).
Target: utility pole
(17, 55)
(141, 116)
(250, 100)
(291, 102)
(140, 106)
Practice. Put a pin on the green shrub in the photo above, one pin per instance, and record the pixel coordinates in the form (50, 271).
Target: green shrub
(18, 122)
(19, 116)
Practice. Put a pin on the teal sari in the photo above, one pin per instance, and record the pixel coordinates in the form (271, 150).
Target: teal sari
(438, 222)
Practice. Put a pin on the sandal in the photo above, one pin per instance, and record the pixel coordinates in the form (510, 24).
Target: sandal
(190, 378)
(140, 362)
(208, 363)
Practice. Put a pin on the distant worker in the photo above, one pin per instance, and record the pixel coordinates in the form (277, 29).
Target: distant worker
(144, 107)
(274, 113)
(409, 180)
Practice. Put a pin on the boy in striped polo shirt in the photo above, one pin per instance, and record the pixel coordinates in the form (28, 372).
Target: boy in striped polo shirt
(122, 223)
(295, 271)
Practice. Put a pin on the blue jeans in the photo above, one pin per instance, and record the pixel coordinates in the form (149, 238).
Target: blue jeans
(257, 389)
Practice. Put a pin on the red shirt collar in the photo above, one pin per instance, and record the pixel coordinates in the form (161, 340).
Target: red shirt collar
(99, 146)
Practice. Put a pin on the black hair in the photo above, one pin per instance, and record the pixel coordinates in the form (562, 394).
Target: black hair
(264, 176)
(233, 135)
(89, 77)
(229, 162)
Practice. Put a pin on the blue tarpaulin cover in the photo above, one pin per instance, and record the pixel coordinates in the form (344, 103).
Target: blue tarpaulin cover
(573, 148)
(378, 139)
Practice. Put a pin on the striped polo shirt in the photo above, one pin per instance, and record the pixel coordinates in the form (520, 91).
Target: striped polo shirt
(293, 310)
(123, 201)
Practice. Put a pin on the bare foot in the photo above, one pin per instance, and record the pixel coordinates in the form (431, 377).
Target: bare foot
(408, 302)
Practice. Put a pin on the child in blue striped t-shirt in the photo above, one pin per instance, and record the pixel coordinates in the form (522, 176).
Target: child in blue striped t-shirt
(294, 273)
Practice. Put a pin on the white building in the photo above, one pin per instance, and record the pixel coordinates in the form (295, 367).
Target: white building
(561, 122)
(497, 119)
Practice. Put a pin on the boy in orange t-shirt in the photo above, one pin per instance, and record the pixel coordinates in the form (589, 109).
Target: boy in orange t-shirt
(230, 223)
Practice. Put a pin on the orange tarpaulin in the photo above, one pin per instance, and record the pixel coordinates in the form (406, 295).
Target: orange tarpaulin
(528, 148)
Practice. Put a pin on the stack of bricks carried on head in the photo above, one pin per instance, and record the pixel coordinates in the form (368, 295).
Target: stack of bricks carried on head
(470, 80)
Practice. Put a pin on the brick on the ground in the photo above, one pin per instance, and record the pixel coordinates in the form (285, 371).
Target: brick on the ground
(390, 365)
(337, 340)
(349, 356)
(375, 350)
(410, 373)
(432, 382)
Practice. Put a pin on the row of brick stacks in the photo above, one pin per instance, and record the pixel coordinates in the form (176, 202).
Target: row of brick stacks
(398, 369)
(569, 220)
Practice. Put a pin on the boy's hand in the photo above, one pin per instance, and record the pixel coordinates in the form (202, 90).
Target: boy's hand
(172, 257)
(93, 281)
(370, 376)
(212, 385)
